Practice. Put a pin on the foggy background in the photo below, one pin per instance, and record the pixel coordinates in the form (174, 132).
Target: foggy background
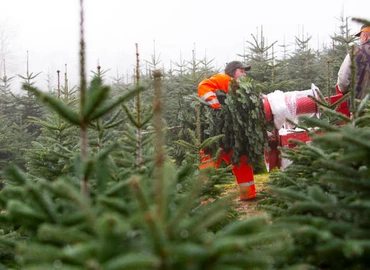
(47, 32)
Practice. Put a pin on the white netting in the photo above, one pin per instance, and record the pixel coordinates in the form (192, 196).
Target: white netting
(278, 107)
(291, 104)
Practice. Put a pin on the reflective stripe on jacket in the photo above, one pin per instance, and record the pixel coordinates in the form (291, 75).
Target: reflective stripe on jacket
(207, 88)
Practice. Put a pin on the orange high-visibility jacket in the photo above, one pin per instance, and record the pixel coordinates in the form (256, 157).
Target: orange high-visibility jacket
(207, 88)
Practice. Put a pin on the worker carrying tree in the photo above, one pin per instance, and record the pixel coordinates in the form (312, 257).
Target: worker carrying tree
(238, 114)
(208, 87)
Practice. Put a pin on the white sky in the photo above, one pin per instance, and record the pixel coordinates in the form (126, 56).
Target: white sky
(49, 30)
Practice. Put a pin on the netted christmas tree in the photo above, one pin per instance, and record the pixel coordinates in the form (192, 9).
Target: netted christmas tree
(241, 120)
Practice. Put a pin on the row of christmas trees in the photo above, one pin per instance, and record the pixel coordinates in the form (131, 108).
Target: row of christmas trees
(118, 201)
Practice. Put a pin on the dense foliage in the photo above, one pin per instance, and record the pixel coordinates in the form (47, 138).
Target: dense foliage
(242, 121)
(323, 196)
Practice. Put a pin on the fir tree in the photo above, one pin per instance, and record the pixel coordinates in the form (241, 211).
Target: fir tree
(322, 197)
(153, 220)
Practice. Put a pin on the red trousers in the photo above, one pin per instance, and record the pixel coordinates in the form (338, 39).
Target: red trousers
(243, 173)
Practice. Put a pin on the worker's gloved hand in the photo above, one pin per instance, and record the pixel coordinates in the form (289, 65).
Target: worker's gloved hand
(221, 96)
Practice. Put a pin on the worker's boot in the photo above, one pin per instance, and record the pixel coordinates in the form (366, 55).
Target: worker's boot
(245, 179)
(207, 160)
(247, 190)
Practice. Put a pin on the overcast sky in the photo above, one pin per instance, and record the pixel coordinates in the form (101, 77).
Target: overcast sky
(49, 30)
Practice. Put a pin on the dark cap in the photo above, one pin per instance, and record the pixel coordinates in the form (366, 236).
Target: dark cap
(233, 66)
(364, 28)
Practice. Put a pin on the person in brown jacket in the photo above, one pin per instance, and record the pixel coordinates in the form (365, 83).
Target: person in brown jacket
(361, 61)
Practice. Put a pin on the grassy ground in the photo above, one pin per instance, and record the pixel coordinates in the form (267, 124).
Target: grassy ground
(249, 207)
